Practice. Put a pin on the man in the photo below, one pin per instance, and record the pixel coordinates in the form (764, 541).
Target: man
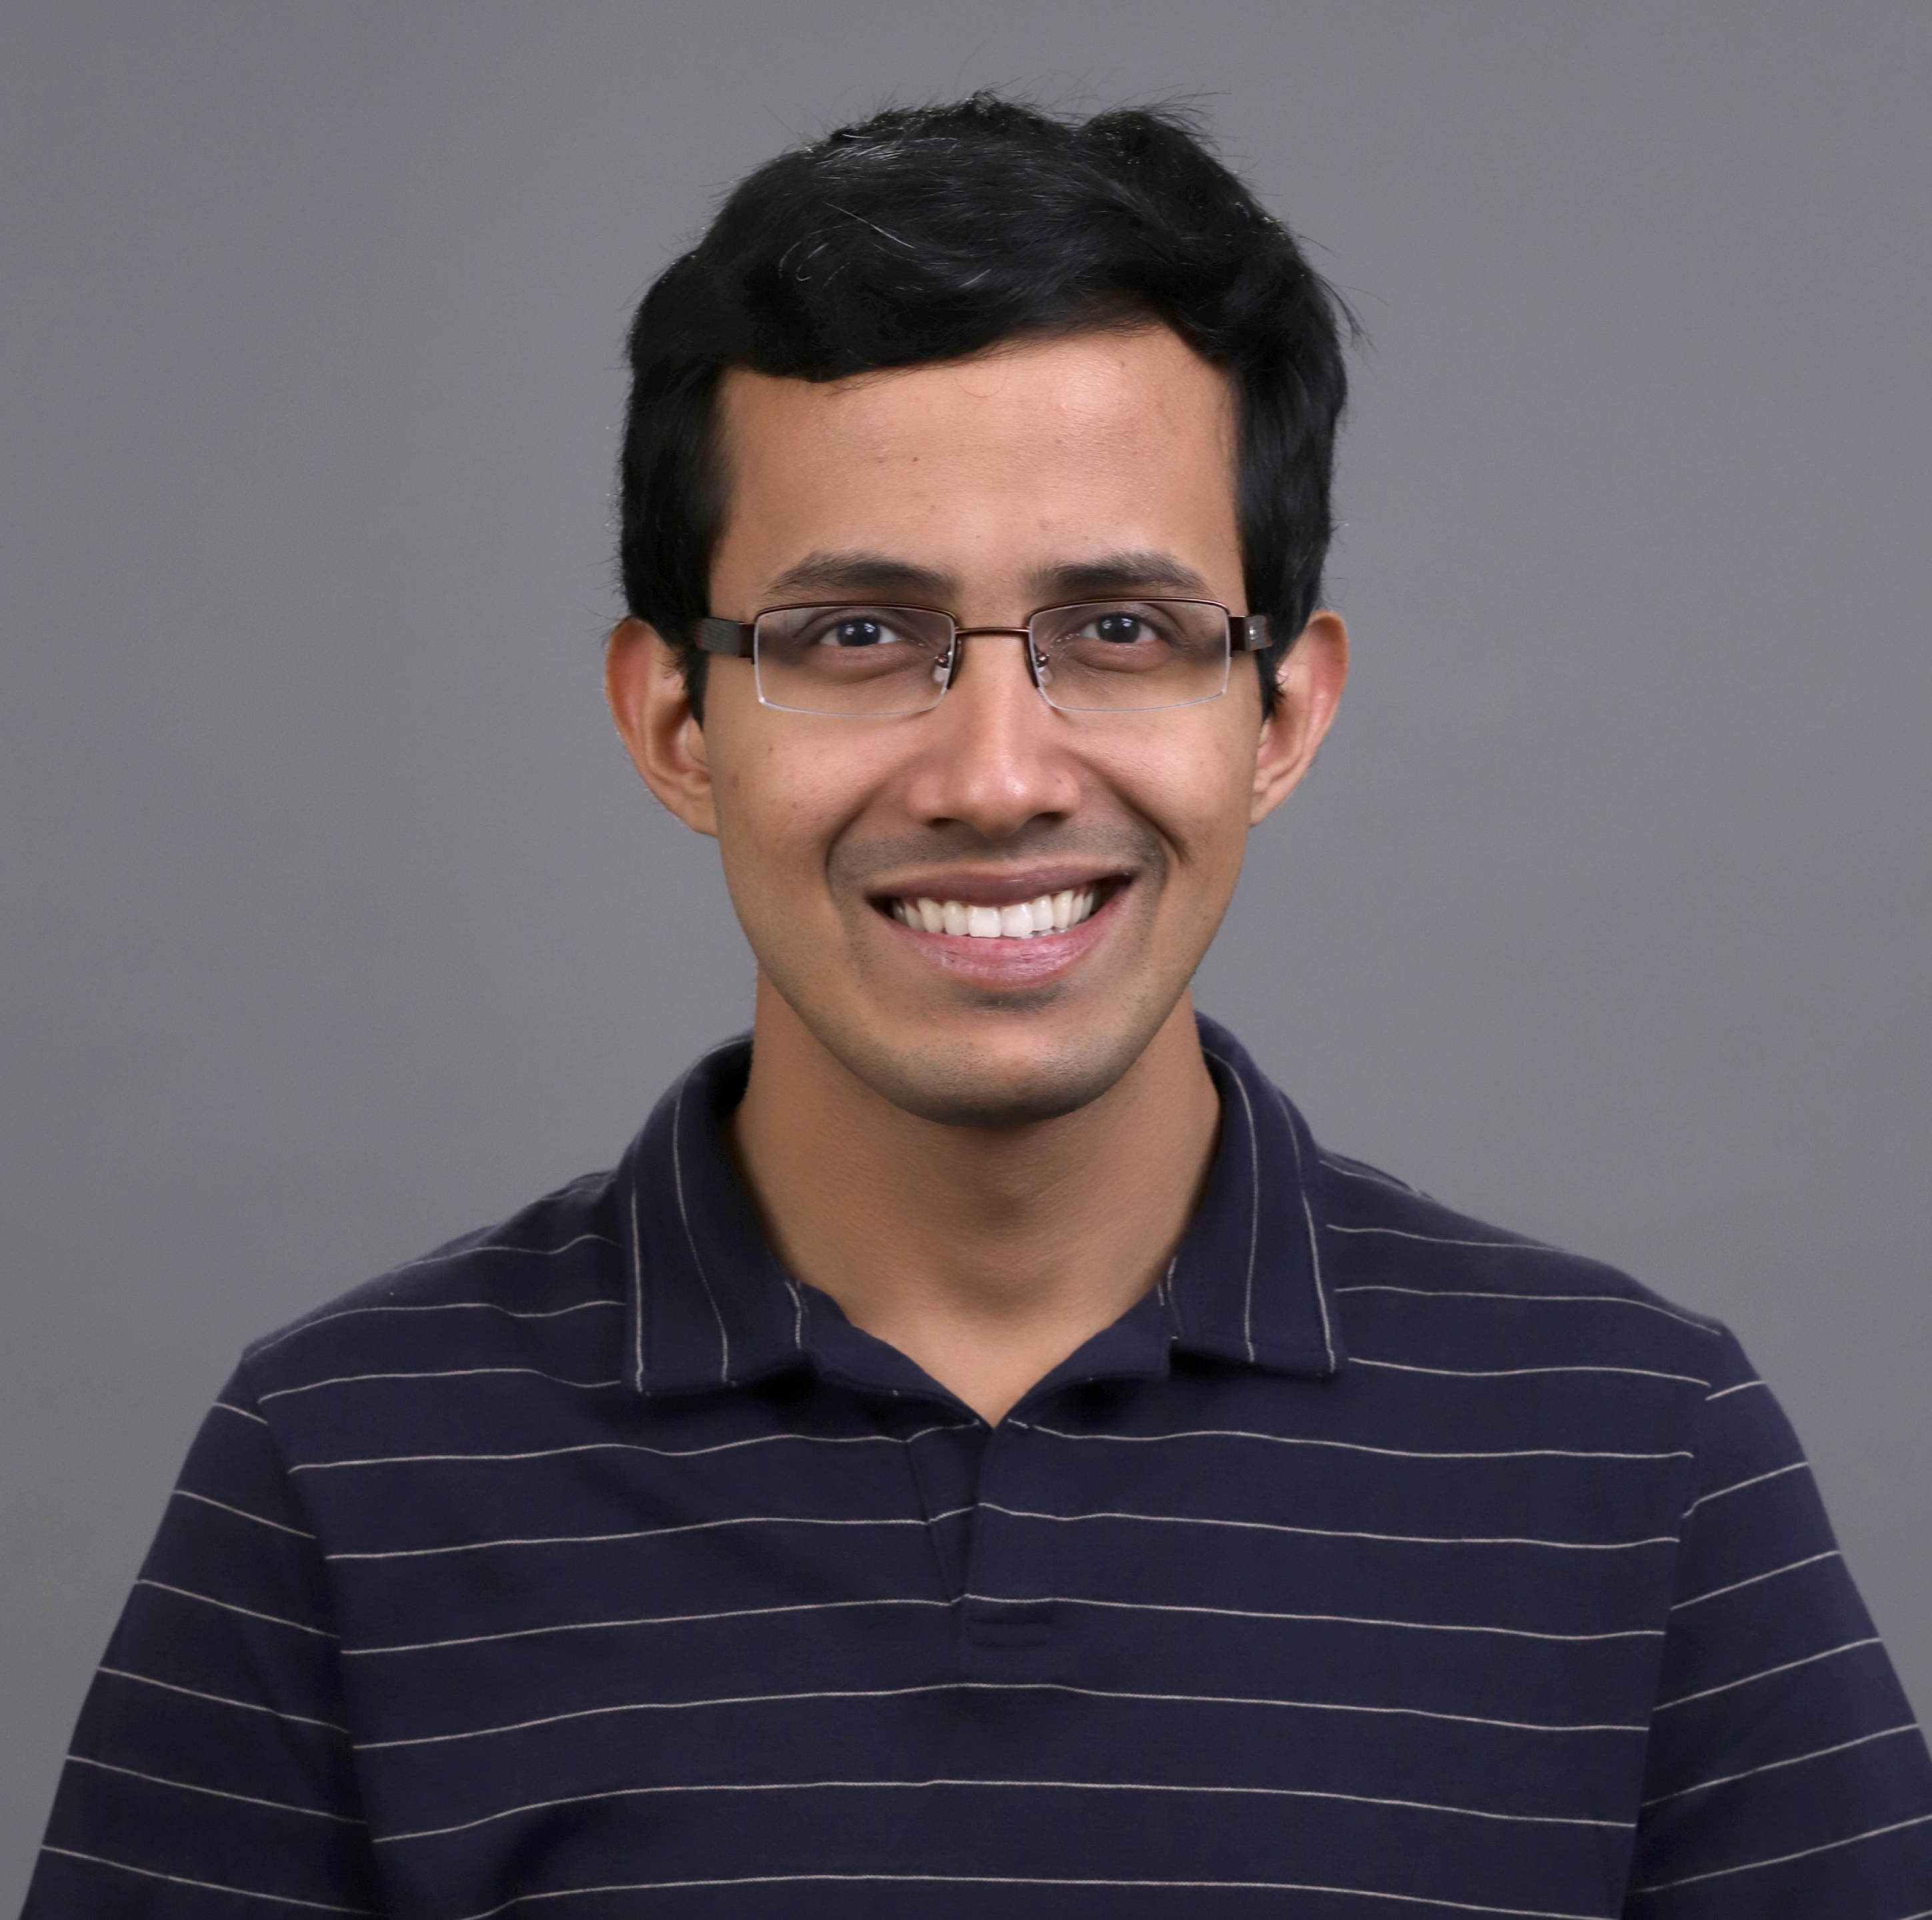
(977, 1451)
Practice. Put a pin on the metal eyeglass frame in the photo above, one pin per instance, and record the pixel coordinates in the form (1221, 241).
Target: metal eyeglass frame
(1247, 633)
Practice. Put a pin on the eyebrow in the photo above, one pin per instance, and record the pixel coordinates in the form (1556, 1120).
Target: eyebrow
(1106, 576)
(861, 573)
(1113, 575)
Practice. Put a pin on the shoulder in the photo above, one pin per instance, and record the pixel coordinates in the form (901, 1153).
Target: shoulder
(554, 1263)
(1405, 1268)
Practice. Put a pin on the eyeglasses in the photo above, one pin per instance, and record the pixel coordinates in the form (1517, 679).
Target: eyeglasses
(1102, 656)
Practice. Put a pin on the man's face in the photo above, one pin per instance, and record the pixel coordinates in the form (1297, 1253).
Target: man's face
(1042, 472)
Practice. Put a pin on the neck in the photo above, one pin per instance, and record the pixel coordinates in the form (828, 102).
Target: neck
(986, 1255)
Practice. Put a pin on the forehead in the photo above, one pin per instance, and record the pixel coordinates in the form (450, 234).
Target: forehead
(1035, 452)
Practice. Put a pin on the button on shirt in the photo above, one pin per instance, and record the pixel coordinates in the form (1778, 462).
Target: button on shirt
(1378, 1562)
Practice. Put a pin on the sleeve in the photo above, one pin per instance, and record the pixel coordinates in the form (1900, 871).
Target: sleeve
(1785, 1774)
(212, 1755)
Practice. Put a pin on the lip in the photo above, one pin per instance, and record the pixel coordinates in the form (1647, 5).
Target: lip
(1032, 962)
(1008, 886)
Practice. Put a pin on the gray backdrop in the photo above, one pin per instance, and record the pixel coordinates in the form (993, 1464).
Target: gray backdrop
(336, 923)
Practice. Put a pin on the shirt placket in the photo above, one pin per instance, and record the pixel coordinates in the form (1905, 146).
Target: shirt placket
(1010, 1581)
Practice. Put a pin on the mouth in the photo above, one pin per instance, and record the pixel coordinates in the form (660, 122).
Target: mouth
(1017, 932)
(1048, 913)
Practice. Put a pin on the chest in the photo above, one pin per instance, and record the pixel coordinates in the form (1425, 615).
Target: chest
(1105, 1653)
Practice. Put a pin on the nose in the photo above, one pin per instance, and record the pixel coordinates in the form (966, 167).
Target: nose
(996, 756)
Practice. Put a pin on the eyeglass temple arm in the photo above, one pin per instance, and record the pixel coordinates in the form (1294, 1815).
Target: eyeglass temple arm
(1247, 633)
(728, 637)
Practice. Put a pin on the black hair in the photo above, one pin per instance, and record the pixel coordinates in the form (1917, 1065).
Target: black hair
(930, 233)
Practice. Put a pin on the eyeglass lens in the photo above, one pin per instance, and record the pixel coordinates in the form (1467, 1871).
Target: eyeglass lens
(1104, 656)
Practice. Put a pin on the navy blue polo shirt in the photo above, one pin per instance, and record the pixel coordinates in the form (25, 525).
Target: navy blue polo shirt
(1379, 1562)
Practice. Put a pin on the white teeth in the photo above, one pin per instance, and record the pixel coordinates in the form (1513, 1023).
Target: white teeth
(1051, 912)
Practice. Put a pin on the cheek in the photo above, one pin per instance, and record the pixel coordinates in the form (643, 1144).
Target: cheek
(782, 805)
(1195, 791)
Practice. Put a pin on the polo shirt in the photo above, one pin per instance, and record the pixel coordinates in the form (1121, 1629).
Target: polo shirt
(1377, 1562)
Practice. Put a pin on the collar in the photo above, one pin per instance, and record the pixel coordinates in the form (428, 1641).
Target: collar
(710, 1306)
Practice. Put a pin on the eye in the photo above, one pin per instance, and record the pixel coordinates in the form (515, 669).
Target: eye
(857, 630)
(1124, 629)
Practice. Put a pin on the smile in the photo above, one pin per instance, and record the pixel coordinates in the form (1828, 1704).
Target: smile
(1023, 919)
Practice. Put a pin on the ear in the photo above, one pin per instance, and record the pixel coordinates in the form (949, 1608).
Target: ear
(645, 688)
(1308, 686)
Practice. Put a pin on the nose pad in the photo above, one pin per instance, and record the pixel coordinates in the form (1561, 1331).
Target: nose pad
(945, 671)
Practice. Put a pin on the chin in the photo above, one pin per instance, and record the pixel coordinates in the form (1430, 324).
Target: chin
(969, 1082)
